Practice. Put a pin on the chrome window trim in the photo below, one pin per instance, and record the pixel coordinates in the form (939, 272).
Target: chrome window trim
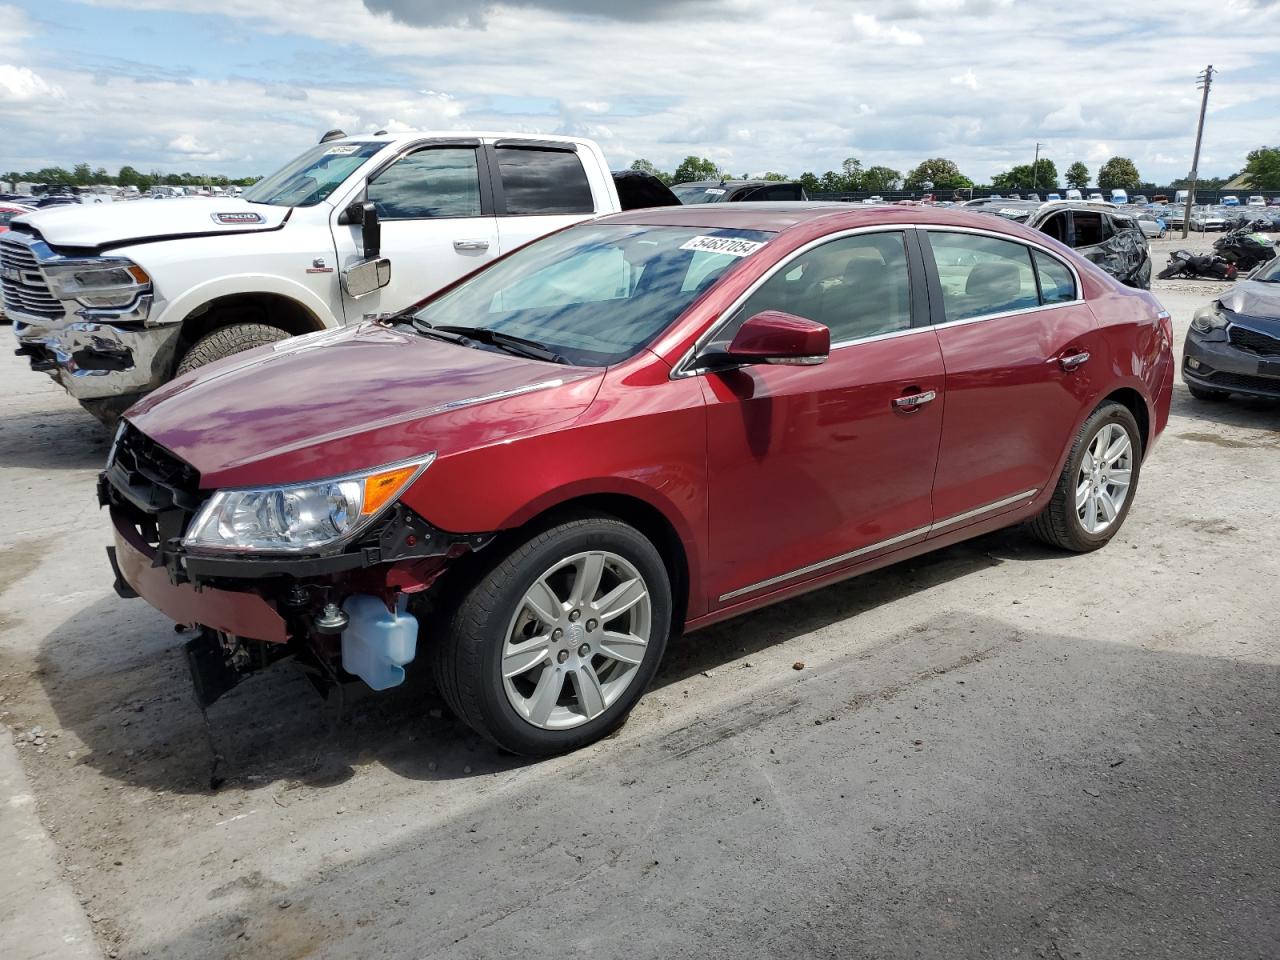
(883, 544)
(681, 368)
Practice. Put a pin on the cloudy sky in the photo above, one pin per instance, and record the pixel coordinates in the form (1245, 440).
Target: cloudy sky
(754, 84)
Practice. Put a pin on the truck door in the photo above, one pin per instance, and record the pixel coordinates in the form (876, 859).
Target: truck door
(435, 207)
(538, 187)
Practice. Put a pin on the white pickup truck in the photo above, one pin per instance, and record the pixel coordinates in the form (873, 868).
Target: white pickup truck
(113, 301)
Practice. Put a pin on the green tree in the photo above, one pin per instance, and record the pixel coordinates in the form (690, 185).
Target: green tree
(852, 170)
(1078, 176)
(880, 179)
(644, 166)
(940, 173)
(1118, 172)
(82, 175)
(695, 168)
(773, 176)
(1263, 168)
(809, 180)
(1043, 176)
(831, 182)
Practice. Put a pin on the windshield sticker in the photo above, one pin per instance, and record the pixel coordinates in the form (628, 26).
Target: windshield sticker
(342, 150)
(239, 217)
(731, 246)
(716, 192)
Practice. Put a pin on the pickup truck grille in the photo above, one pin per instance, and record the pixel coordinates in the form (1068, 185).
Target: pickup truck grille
(25, 291)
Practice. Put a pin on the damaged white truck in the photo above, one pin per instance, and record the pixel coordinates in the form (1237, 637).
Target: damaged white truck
(114, 301)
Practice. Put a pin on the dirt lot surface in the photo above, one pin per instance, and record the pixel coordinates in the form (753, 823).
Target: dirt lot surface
(997, 750)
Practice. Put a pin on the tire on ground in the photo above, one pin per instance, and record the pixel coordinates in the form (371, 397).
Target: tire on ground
(466, 659)
(1059, 524)
(226, 341)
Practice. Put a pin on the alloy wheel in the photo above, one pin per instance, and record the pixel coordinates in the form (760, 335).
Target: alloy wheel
(576, 640)
(1103, 482)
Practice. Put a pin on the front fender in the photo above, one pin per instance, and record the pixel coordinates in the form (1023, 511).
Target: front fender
(192, 299)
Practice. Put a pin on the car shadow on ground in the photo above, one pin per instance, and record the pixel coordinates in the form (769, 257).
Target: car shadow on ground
(57, 439)
(1018, 823)
(115, 677)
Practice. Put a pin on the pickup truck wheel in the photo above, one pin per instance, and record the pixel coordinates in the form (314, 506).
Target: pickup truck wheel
(550, 649)
(226, 341)
(1097, 484)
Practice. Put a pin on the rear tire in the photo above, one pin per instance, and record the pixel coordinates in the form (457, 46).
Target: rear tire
(542, 681)
(228, 341)
(1208, 396)
(1061, 523)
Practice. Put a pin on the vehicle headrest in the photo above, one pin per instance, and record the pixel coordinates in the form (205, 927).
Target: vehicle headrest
(995, 280)
(864, 272)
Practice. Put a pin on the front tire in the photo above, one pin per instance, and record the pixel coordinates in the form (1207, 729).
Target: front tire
(551, 647)
(228, 341)
(1096, 487)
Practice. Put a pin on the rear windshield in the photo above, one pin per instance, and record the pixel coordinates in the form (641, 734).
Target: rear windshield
(596, 293)
(699, 192)
(310, 178)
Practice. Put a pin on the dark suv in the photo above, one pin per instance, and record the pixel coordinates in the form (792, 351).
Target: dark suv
(735, 191)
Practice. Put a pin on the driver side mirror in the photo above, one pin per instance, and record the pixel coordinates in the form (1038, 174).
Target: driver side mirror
(365, 213)
(366, 277)
(774, 337)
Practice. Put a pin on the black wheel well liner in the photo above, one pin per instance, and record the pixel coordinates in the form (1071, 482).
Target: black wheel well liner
(271, 309)
(1133, 400)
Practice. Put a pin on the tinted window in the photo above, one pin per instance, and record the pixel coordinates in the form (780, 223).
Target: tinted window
(1056, 283)
(443, 182)
(1089, 228)
(596, 293)
(856, 287)
(543, 181)
(982, 275)
(1056, 227)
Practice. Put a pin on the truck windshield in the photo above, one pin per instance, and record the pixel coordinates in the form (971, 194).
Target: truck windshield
(310, 178)
(597, 293)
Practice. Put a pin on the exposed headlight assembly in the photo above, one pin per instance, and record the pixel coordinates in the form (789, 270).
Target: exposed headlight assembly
(97, 281)
(300, 518)
(1208, 319)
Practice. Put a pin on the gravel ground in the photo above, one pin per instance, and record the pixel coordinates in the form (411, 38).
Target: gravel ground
(995, 750)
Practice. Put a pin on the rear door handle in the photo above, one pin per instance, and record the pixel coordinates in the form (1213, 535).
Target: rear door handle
(471, 244)
(1073, 361)
(911, 402)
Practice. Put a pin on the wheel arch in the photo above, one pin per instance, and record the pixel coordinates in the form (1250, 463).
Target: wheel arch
(636, 512)
(1136, 404)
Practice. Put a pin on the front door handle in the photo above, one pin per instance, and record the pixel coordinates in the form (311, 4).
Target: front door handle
(1073, 361)
(911, 402)
(471, 244)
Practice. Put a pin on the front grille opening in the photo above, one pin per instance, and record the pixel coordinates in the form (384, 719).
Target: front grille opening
(1254, 342)
(25, 290)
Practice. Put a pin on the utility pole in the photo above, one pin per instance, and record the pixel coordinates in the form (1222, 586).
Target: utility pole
(1203, 82)
(1035, 168)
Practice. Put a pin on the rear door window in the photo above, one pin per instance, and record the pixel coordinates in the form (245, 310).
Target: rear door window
(439, 182)
(543, 182)
(1057, 285)
(982, 275)
(1090, 228)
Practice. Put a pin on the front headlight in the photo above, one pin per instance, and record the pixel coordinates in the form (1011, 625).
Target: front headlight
(1208, 319)
(97, 282)
(299, 518)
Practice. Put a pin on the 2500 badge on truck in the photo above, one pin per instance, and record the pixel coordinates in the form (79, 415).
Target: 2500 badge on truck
(115, 301)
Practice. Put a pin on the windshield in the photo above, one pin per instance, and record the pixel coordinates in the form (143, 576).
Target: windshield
(1269, 272)
(310, 178)
(699, 192)
(596, 293)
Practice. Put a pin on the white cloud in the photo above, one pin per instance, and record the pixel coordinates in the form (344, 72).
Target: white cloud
(871, 28)
(22, 85)
(966, 79)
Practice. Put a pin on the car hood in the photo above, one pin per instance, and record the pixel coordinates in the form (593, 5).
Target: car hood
(96, 225)
(1253, 298)
(343, 401)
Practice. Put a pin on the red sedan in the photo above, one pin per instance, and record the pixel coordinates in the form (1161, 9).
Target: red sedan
(634, 427)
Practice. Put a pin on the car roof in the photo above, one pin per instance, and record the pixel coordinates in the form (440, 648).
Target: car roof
(776, 217)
